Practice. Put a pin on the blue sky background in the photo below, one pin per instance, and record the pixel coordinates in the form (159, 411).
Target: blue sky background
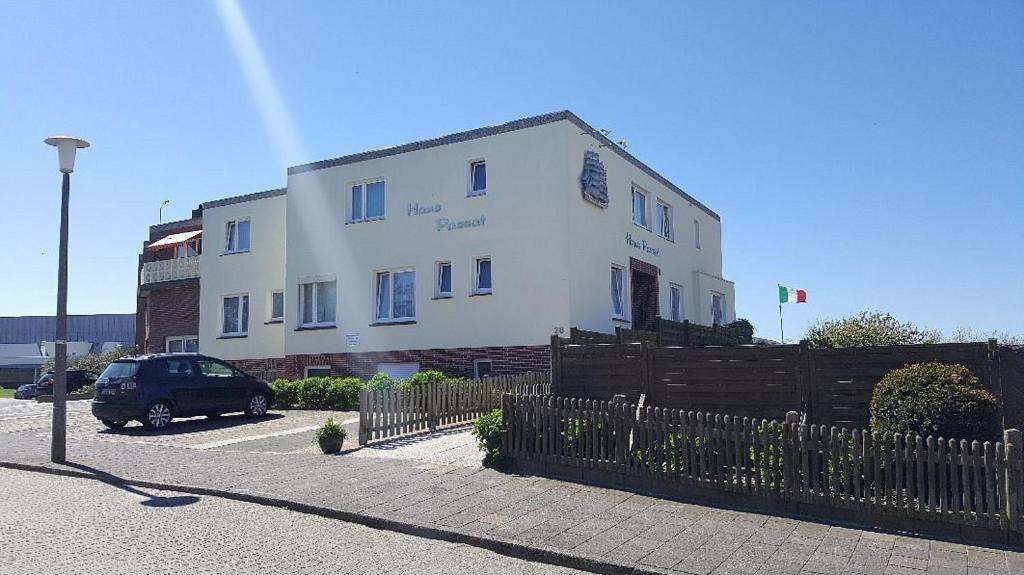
(870, 153)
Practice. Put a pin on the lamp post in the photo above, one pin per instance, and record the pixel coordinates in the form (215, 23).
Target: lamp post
(66, 148)
(160, 212)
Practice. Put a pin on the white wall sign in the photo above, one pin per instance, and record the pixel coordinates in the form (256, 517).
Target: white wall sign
(352, 339)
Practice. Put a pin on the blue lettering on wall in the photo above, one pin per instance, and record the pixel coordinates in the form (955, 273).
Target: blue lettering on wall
(641, 245)
(418, 210)
(444, 224)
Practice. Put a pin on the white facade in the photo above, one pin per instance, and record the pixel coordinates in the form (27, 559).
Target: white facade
(551, 252)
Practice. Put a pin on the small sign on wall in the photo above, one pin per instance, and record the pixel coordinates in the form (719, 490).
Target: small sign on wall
(594, 179)
(352, 339)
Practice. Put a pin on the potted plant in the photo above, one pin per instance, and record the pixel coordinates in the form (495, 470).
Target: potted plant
(330, 437)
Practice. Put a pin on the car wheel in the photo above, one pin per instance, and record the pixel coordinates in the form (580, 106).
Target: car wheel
(111, 424)
(158, 415)
(257, 405)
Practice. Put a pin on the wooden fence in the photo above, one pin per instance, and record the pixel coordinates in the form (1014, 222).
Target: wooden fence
(974, 489)
(388, 413)
(833, 386)
(667, 332)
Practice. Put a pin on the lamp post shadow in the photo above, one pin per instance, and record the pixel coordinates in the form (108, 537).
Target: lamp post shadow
(120, 483)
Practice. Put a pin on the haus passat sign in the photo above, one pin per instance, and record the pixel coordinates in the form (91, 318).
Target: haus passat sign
(641, 245)
(444, 224)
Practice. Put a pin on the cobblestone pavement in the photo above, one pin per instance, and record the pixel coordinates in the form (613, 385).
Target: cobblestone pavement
(279, 432)
(614, 527)
(100, 528)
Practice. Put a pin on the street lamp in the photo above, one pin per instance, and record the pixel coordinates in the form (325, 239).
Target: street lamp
(160, 212)
(66, 148)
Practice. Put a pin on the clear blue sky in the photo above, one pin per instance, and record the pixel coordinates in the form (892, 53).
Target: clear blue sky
(870, 153)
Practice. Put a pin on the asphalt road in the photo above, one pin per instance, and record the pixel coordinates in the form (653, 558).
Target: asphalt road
(59, 525)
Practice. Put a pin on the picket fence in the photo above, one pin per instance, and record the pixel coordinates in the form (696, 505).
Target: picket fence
(386, 413)
(853, 473)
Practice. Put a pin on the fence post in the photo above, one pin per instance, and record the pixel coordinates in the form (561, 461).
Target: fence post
(645, 369)
(556, 363)
(618, 334)
(1012, 481)
(432, 420)
(506, 420)
(686, 333)
(364, 423)
(789, 453)
(805, 381)
(994, 376)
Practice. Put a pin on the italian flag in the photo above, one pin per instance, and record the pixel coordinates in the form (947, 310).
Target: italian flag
(791, 295)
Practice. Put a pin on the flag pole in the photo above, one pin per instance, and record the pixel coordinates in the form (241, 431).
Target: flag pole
(782, 333)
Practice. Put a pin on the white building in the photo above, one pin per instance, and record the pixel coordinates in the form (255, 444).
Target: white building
(465, 252)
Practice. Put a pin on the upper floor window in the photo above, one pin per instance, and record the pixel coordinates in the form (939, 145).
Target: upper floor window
(188, 249)
(367, 201)
(676, 302)
(182, 343)
(618, 278)
(477, 178)
(717, 309)
(640, 207)
(277, 305)
(317, 301)
(482, 276)
(443, 288)
(696, 234)
(664, 212)
(396, 296)
(237, 236)
(235, 315)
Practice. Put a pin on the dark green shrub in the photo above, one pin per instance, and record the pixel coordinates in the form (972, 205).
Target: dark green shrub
(935, 399)
(350, 388)
(331, 437)
(285, 393)
(328, 393)
(488, 430)
(381, 381)
(426, 378)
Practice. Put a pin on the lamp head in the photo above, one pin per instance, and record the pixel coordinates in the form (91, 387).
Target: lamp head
(66, 148)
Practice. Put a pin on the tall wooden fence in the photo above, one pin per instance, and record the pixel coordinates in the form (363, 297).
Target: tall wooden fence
(388, 413)
(833, 386)
(975, 489)
(667, 332)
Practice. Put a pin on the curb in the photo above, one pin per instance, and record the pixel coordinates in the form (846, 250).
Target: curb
(507, 548)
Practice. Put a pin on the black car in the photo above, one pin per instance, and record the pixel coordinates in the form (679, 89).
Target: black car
(154, 389)
(26, 391)
(77, 379)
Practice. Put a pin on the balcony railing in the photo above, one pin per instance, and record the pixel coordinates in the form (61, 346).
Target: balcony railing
(170, 270)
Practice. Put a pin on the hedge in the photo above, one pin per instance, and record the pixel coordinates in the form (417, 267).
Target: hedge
(322, 393)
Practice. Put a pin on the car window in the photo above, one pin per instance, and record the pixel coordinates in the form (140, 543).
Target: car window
(177, 367)
(212, 368)
(120, 369)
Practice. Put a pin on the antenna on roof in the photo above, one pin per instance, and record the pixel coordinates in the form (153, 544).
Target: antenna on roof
(602, 131)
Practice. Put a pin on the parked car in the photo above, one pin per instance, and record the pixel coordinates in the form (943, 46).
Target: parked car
(26, 391)
(77, 379)
(154, 389)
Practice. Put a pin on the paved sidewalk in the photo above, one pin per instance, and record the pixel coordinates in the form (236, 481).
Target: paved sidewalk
(584, 527)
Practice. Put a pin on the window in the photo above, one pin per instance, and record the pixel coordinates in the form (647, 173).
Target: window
(318, 371)
(443, 287)
(696, 234)
(237, 232)
(477, 178)
(187, 249)
(618, 311)
(277, 305)
(183, 343)
(640, 216)
(675, 304)
(482, 276)
(212, 368)
(367, 201)
(399, 371)
(717, 309)
(177, 367)
(396, 296)
(481, 368)
(665, 220)
(317, 303)
(236, 315)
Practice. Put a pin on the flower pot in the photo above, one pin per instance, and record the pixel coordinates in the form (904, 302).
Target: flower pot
(330, 445)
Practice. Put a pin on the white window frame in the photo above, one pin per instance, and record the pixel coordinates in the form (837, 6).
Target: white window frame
(227, 240)
(270, 306)
(476, 366)
(182, 339)
(696, 234)
(664, 230)
(243, 329)
(194, 245)
(363, 195)
(305, 370)
(470, 192)
(477, 290)
(438, 292)
(391, 302)
(646, 224)
(682, 305)
(315, 282)
(622, 292)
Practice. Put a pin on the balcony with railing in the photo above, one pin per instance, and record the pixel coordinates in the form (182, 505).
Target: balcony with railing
(170, 270)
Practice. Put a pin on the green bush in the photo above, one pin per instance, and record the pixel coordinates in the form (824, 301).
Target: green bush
(935, 399)
(423, 378)
(487, 431)
(381, 381)
(328, 393)
(350, 388)
(331, 430)
(869, 328)
(286, 393)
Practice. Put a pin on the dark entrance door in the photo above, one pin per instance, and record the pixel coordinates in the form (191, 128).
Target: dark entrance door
(644, 294)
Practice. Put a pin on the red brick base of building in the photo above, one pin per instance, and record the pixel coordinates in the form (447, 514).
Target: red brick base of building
(452, 361)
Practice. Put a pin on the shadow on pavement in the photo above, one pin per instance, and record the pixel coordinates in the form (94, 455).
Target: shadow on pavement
(179, 427)
(151, 500)
(404, 441)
